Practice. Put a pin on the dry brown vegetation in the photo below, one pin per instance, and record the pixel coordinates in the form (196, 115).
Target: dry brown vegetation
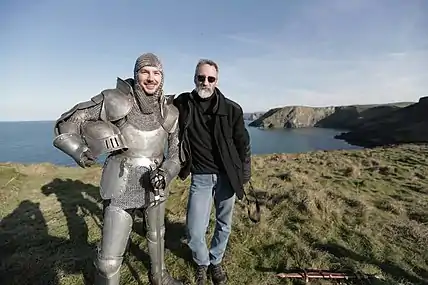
(364, 211)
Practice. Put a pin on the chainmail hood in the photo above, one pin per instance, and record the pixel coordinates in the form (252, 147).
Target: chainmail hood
(147, 102)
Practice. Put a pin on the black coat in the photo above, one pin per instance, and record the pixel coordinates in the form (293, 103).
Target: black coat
(230, 135)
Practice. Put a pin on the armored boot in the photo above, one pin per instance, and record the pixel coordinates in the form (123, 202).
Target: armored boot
(166, 279)
(156, 243)
(116, 230)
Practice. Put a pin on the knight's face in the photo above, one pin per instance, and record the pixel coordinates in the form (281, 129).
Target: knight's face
(149, 78)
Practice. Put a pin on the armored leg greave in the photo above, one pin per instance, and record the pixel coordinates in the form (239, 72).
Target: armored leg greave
(115, 234)
(155, 217)
(155, 222)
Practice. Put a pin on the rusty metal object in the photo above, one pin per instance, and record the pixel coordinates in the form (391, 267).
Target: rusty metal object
(307, 275)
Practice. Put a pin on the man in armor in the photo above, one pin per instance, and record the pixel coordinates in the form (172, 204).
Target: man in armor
(132, 123)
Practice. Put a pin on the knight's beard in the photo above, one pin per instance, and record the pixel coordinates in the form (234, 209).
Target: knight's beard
(204, 92)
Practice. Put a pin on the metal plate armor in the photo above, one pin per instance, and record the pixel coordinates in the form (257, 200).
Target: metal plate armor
(102, 137)
(113, 123)
(145, 150)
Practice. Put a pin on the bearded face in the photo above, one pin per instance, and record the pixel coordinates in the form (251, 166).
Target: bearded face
(205, 80)
(149, 78)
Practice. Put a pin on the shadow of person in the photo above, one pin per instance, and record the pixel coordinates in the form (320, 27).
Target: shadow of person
(388, 267)
(71, 195)
(175, 239)
(175, 236)
(297, 273)
(175, 233)
(74, 195)
(28, 252)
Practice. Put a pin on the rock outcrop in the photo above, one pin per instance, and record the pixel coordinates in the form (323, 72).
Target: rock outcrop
(404, 125)
(252, 116)
(292, 117)
(338, 117)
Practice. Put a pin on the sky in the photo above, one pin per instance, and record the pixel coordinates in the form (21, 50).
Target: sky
(54, 54)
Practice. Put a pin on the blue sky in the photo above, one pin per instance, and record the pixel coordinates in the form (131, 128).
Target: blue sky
(271, 53)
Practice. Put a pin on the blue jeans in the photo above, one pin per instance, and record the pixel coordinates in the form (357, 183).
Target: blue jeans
(204, 189)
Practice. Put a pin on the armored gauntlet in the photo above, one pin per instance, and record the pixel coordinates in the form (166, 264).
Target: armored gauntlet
(73, 145)
(158, 181)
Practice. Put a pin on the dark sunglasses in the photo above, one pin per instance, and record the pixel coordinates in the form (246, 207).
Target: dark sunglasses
(201, 78)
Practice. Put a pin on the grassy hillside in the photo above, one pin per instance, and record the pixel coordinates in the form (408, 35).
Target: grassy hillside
(365, 211)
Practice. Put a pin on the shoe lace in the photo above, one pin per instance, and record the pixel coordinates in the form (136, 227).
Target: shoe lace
(201, 272)
(217, 271)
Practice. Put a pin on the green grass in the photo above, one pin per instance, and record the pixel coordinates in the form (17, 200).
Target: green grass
(364, 211)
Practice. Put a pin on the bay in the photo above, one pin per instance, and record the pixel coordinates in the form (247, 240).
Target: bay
(31, 142)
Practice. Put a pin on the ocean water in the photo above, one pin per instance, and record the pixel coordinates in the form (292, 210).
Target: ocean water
(31, 142)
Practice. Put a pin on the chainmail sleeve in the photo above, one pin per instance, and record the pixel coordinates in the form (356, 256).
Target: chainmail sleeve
(172, 162)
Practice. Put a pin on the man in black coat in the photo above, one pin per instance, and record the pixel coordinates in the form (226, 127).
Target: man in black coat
(215, 149)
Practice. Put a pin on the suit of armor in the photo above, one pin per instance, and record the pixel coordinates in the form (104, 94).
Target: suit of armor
(133, 129)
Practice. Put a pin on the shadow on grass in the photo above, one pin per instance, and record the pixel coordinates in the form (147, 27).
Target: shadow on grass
(268, 200)
(26, 246)
(28, 252)
(71, 195)
(389, 268)
(175, 233)
(354, 277)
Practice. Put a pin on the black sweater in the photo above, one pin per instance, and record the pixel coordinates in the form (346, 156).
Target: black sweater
(205, 159)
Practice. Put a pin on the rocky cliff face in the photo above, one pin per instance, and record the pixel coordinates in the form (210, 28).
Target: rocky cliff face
(403, 125)
(292, 117)
(340, 117)
(252, 116)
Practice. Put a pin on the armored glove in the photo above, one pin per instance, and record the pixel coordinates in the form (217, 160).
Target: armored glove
(158, 181)
(87, 159)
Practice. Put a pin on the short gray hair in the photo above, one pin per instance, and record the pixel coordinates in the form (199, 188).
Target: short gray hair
(206, 61)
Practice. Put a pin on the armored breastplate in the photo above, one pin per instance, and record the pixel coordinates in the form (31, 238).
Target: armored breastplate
(141, 143)
(144, 151)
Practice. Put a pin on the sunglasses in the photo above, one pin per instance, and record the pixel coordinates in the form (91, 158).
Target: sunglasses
(201, 78)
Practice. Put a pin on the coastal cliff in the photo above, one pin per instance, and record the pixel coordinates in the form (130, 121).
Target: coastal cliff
(403, 125)
(252, 116)
(338, 117)
(292, 117)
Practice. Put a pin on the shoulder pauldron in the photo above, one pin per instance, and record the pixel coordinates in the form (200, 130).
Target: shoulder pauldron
(170, 114)
(118, 102)
(80, 106)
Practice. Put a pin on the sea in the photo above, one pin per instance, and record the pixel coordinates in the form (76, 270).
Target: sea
(31, 142)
